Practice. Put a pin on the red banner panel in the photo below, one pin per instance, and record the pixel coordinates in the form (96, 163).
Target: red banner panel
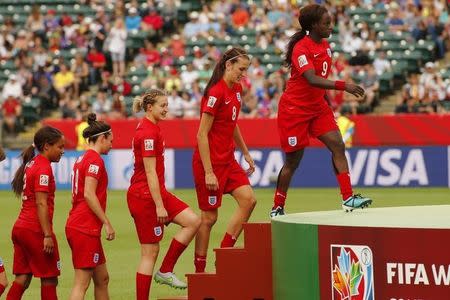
(364, 263)
(394, 130)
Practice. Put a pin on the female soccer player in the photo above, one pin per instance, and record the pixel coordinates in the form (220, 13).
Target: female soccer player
(35, 247)
(84, 225)
(303, 109)
(216, 171)
(150, 204)
(3, 279)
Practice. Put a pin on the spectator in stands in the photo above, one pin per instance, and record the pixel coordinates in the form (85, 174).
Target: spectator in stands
(370, 83)
(117, 47)
(190, 106)
(121, 86)
(240, 17)
(169, 14)
(152, 21)
(11, 111)
(133, 20)
(151, 54)
(101, 105)
(188, 76)
(412, 94)
(176, 105)
(177, 46)
(35, 22)
(381, 63)
(118, 109)
(12, 87)
(257, 75)
(199, 60)
(63, 80)
(50, 21)
(80, 69)
(69, 107)
(173, 82)
(193, 27)
(97, 62)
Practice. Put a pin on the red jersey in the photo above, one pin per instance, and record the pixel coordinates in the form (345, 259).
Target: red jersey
(307, 55)
(81, 217)
(147, 142)
(224, 104)
(38, 178)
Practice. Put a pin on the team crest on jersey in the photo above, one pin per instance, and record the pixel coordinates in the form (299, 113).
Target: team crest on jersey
(58, 265)
(292, 141)
(93, 169)
(148, 144)
(238, 96)
(212, 200)
(211, 101)
(329, 52)
(43, 180)
(157, 230)
(302, 61)
(96, 257)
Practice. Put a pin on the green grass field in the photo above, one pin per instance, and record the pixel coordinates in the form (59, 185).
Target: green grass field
(123, 253)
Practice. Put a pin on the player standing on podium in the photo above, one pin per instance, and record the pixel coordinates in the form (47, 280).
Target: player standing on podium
(304, 110)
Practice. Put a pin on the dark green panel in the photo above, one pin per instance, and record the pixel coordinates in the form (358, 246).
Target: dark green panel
(295, 261)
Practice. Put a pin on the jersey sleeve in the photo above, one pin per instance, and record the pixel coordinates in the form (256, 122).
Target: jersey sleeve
(94, 168)
(148, 143)
(213, 101)
(42, 179)
(301, 59)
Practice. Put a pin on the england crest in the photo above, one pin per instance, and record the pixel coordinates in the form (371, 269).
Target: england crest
(157, 230)
(238, 96)
(212, 200)
(292, 141)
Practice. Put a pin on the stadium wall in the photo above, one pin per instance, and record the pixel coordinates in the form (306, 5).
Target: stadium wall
(386, 130)
(370, 167)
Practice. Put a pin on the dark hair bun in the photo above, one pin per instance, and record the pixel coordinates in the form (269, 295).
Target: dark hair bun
(91, 118)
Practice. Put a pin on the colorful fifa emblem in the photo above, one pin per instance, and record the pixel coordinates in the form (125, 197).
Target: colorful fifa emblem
(212, 200)
(292, 141)
(329, 52)
(96, 257)
(238, 96)
(157, 230)
(352, 272)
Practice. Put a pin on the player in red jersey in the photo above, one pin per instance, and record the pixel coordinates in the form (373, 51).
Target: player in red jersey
(216, 172)
(3, 279)
(35, 247)
(150, 204)
(87, 217)
(303, 109)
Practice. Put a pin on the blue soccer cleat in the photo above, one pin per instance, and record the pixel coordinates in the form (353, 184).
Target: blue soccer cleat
(277, 211)
(356, 201)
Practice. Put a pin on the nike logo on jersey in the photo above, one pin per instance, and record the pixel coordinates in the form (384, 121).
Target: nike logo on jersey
(226, 102)
(315, 55)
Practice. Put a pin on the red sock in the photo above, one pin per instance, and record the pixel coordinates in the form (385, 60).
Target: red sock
(48, 292)
(279, 199)
(345, 185)
(199, 263)
(174, 252)
(2, 289)
(143, 286)
(15, 292)
(228, 241)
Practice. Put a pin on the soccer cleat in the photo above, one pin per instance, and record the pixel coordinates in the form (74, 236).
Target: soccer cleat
(170, 279)
(278, 211)
(356, 201)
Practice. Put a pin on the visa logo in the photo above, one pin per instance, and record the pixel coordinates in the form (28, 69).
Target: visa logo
(388, 167)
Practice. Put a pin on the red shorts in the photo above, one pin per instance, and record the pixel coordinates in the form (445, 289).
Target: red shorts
(2, 267)
(296, 129)
(230, 177)
(87, 250)
(143, 210)
(29, 256)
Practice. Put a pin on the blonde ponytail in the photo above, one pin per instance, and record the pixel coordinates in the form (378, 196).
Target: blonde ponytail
(149, 98)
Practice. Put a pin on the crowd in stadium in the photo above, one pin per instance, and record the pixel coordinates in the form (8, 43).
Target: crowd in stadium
(99, 77)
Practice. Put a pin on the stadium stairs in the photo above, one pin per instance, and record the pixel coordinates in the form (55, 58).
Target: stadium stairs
(242, 273)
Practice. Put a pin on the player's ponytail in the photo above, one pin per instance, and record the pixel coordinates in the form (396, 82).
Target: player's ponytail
(231, 55)
(95, 128)
(45, 135)
(309, 15)
(150, 97)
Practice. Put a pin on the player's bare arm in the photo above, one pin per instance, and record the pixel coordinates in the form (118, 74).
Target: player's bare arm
(323, 83)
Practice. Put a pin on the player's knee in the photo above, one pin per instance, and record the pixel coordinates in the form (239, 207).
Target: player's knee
(209, 220)
(195, 223)
(102, 281)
